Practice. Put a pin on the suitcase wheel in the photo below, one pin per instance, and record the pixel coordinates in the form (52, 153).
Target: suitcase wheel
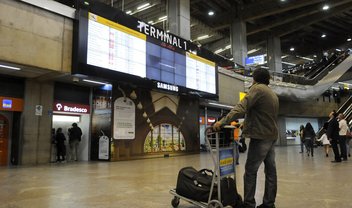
(214, 204)
(175, 202)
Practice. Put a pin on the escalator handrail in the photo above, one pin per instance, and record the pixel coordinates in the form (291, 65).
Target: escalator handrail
(297, 79)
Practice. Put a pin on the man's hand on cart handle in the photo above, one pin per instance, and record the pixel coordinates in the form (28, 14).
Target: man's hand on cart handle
(217, 126)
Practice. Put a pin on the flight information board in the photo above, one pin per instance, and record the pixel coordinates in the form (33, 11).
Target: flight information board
(115, 47)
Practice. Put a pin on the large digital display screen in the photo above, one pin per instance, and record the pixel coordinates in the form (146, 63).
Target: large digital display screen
(115, 47)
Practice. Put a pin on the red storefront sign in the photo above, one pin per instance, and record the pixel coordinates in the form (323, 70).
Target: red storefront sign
(71, 108)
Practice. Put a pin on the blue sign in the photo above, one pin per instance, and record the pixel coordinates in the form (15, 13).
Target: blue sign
(6, 103)
(255, 60)
(226, 161)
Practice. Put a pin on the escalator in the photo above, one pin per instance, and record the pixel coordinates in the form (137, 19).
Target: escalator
(298, 88)
(345, 109)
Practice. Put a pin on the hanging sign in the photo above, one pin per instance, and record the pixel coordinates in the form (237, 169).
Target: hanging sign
(104, 148)
(124, 118)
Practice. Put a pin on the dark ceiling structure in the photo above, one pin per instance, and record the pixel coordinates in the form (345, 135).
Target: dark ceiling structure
(305, 25)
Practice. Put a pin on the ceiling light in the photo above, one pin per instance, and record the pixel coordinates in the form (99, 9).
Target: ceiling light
(314, 56)
(253, 50)
(9, 67)
(220, 105)
(349, 39)
(129, 12)
(162, 18)
(288, 63)
(63, 118)
(211, 13)
(143, 6)
(323, 35)
(292, 49)
(326, 7)
(203, 37)
(95, 82)
(219, 50)
(151, 22)
(305, 58)
(337, 49)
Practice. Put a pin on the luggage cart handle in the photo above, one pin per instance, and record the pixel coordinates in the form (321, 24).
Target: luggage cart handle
(210, 128)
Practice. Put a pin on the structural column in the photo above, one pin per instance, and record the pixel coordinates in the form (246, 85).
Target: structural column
(274, 54)
(37, 123)
(239, 41)
(179, 18)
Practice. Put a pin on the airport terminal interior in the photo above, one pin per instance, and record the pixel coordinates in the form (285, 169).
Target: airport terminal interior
(103, 102)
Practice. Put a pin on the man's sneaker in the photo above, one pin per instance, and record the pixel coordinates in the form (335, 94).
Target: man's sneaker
(264, 206)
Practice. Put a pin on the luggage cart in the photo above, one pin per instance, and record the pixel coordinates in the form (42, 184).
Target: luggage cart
(224, 154)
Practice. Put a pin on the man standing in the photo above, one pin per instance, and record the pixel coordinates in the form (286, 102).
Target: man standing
(333, 135)
(75, 134)
(343, 128)
(260, 107)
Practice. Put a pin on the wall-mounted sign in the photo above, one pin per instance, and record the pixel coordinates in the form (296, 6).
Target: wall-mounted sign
(103, 148)
(242, 95)
(124, 118)
(255, 60)
(6, 103)
(11, 104)
(38, 110)
(71, 108)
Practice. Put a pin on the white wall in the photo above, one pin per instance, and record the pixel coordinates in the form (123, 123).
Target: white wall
(295, 123)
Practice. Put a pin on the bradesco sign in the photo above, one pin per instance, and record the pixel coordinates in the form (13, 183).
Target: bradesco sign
(71, 108)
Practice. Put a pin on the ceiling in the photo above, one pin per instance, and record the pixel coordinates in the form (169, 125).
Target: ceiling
(298, 23)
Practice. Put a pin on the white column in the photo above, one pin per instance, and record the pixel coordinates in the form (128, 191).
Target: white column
(239, 41)
(179, 18)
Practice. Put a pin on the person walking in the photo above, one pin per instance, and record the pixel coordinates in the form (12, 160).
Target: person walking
(333, 135)
(301, 128)
(60, 145)
(324, 139)
(75, 134)
(260, 108)
(309, 136)
(343, 128)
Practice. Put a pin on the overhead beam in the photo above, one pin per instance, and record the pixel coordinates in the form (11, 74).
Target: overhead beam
(309, 20)
(272, 8)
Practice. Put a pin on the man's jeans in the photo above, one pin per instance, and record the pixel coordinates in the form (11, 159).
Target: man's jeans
(74, 150)
(260, 151)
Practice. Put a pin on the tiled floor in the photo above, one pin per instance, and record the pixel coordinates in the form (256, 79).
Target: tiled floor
(303, 182)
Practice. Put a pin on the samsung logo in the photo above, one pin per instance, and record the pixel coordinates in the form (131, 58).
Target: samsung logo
(167, 87)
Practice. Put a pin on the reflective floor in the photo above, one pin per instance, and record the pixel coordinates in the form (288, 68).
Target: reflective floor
(303, 181)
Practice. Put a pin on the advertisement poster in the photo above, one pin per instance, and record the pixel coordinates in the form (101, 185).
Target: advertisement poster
(124, 118)
(226, 161)
(104, 148)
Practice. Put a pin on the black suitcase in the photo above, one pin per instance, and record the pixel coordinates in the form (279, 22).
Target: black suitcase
(229, 194)
(195, 184)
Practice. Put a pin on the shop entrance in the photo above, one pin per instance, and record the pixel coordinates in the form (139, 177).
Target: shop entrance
(4, 140)
(65, 122)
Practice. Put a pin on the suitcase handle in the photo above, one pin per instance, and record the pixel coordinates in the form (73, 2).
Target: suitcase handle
(205, 170)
